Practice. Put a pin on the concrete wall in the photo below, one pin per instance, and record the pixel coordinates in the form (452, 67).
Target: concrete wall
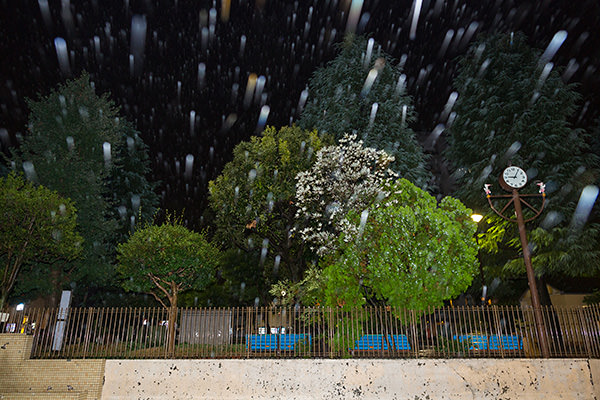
(353, 379)
(22, 378)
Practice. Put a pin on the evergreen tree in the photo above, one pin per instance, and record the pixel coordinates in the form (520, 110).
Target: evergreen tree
(77, 145)
(132, 197)
(361, 92)
(514, 109)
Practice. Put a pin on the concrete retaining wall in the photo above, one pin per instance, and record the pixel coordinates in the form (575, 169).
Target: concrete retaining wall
(353, 379)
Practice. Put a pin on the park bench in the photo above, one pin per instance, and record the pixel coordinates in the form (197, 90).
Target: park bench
(377, 343)
(290, 341)
(287, 342)
(493, 342)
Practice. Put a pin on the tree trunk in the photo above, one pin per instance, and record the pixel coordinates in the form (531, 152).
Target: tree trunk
(172, 322)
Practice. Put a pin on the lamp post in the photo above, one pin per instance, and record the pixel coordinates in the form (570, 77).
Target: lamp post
(512, 179)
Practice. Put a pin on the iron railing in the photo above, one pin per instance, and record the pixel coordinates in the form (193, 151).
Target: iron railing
(304, 332)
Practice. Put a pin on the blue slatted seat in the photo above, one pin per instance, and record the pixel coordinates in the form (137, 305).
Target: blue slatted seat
(371, 342)
(261, 342)
(400, 342)
(493, 342)
(288, 342)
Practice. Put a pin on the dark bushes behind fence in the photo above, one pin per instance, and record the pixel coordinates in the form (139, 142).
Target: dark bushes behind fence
(269, 332)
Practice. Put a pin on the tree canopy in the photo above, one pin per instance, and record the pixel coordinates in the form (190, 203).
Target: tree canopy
(163, 260)
(411, 252)
(78, 146)
(362, 92)
(344, 177)
(37, 227)
(253, 198)
(514, 108)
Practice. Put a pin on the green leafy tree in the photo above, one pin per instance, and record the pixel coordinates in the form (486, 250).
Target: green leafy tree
(361, 92)
(513, 107)
(253, 199)
(164, 261)
(37, 228)
(78, 146)
(411, 252)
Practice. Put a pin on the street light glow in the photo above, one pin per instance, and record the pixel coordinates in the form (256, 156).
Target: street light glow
(476, 217)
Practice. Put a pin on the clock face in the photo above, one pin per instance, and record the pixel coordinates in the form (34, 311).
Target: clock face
(514, 177)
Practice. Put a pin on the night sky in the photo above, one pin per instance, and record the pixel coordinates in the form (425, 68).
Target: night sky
(179, 69)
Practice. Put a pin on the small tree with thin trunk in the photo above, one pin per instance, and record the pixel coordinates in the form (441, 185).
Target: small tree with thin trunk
(164, 260)
(37, 228)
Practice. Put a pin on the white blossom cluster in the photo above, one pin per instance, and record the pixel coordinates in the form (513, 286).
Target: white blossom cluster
(344, 177)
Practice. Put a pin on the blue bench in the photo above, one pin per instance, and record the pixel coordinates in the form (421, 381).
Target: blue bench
(288, 342)
(261, 342)
(377, 342)
(493, 342)
(276, 342)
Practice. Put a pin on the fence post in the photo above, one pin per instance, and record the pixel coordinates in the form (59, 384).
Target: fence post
(582, 326)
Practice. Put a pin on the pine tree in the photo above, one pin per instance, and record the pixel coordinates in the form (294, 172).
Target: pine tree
(515, 109)
(361, 92)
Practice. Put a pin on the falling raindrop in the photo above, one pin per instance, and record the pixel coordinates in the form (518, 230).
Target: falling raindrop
(302, 101)
(572, 67)
(201, 75)
(63, 57)
(138, 41)
(553, 46)
(192, 123)
(446, 43)
(263, 251)
(363, 221)
(415, 19)
(29, 171)
(544, 75)
(262, 119)
(4, 138)
(189, 166)
(107, 154)
(70, 142)
(251, 175)
(276, 264)
(369, 82)
(260, 85)
(353, 15)
(400, 86)
(513, 149)
(135, 202)
(584, 206)
(369, 54)
(45, 11)
(242, 45)
(374, 109)
(250, 86)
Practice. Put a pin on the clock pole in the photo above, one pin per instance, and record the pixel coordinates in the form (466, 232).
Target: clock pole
(517, 200)
(535, 299)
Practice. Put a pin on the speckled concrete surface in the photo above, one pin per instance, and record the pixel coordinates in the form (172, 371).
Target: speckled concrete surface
(352, 379)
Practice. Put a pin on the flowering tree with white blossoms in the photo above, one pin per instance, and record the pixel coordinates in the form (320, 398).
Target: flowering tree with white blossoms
(344, 177)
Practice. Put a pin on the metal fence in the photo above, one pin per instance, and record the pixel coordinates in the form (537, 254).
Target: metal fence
(299, 332)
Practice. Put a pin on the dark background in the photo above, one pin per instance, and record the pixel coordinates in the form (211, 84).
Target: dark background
(285, 42)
